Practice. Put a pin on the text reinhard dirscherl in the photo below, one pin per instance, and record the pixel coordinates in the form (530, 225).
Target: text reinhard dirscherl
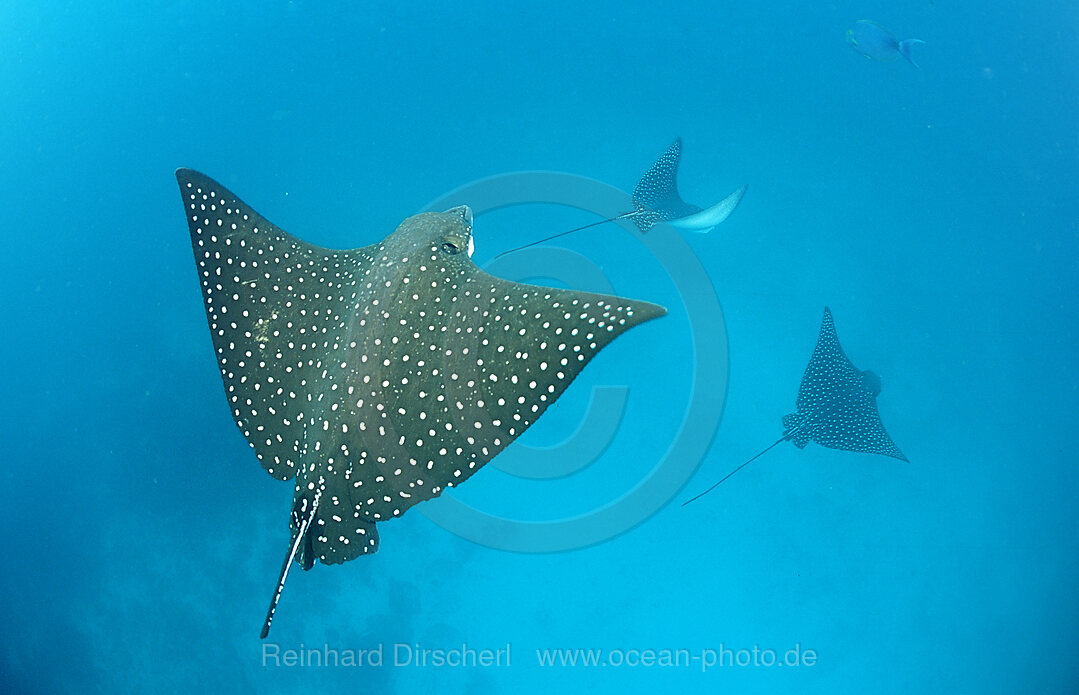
(404, 655)
(398, 654)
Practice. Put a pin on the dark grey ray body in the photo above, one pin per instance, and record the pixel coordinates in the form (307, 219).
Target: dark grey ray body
(836, 406)
(377, 377)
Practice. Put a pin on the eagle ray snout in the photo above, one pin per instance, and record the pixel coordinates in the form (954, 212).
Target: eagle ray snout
(464, 212)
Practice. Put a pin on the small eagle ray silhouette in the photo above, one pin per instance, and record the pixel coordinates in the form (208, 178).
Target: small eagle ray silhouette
(837, 406)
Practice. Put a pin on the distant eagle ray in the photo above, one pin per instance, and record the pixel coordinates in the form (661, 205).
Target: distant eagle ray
(656, 199)
(837, 406)
(380, 376)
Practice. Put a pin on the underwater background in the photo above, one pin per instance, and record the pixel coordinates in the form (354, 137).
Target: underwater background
(933, 210)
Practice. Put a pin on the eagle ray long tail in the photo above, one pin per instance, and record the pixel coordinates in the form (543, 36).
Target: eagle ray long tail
(623, 216)
(786, 435)
(294, 547)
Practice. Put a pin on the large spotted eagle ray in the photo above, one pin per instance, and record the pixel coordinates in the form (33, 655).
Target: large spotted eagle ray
(656, 199)
(837, 406)
(380, 376)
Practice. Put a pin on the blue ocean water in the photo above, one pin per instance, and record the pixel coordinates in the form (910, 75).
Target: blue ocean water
(933, 210)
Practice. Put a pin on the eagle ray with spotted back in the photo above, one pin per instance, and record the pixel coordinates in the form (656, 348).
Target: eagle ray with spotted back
(378, 377)
(656, 199)
(836, 406)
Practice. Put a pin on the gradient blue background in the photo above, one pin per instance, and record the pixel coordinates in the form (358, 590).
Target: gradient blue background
(932, 209)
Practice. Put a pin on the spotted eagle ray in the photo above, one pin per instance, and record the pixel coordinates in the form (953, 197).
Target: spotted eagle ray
(378, 377)
(656, 199)
(837, 406)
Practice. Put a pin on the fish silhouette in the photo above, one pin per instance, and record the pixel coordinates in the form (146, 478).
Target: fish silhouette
(379, 376)
(874, 41)
(836, 406)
